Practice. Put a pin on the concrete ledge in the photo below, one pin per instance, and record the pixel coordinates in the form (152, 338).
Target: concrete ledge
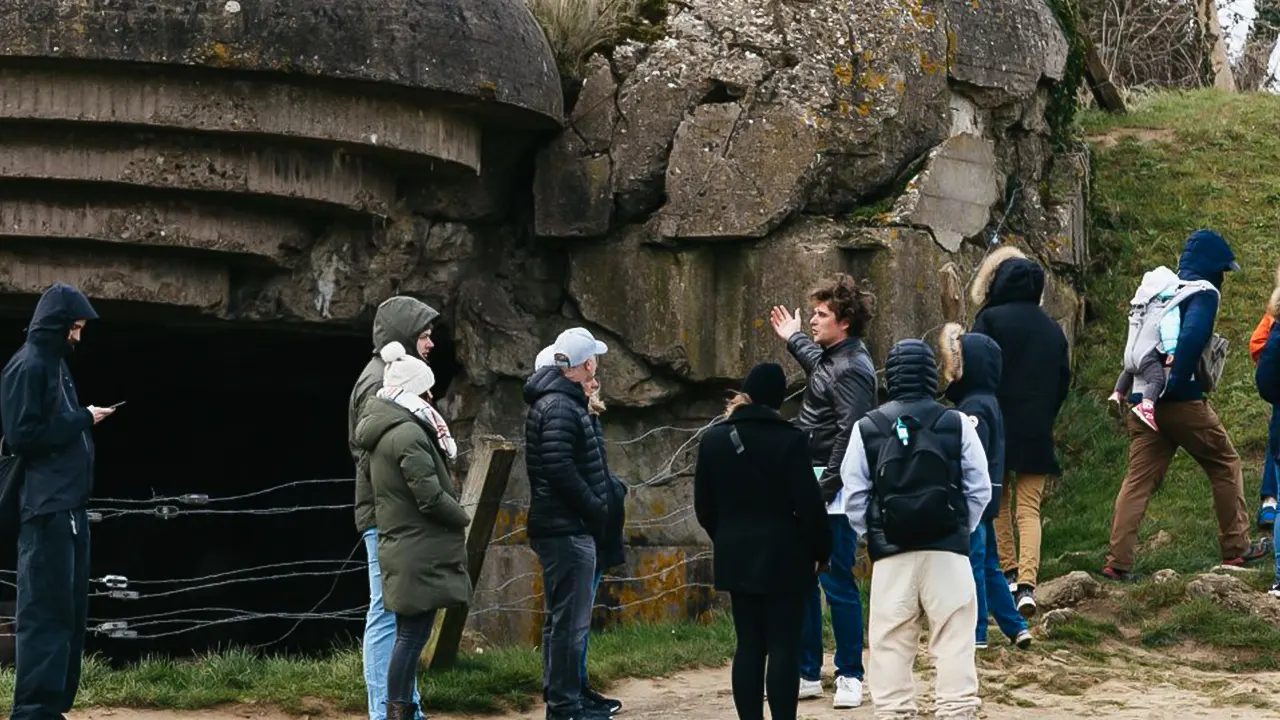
(155, 224)
(189, 164)
(235, 105)
(118, 276)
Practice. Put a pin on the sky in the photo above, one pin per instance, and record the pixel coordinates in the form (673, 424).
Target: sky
(1236, 16)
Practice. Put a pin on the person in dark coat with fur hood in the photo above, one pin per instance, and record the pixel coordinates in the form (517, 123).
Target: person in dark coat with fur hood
(971, 367)
(1036, 374)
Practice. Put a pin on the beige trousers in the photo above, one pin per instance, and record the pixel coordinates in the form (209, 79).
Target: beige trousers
(1025, 511)
(904, 588)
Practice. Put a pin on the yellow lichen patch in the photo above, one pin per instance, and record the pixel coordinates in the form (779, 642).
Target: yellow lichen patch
(659, 591)
(931, 66)
(509, 527)
(845, 108)
(867, 56)
(864, 109)
(873, 80)
(951, 48)
(900, 87)
(844, 73)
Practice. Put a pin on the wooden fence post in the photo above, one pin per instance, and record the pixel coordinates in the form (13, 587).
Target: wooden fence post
(481, 497)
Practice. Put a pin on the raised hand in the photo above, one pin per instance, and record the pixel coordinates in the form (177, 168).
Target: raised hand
(784, 323)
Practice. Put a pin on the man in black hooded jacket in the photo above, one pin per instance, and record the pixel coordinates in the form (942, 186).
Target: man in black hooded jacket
(46, 427)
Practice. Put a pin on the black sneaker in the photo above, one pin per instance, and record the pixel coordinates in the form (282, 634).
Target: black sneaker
(594, 700)
(1026, 601)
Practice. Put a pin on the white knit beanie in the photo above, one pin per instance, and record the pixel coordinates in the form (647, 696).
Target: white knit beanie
(406, 371)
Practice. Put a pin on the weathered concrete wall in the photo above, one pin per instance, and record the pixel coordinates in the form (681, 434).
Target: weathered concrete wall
(700, 180)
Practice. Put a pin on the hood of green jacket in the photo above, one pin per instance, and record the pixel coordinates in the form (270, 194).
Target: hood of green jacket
(401, 319)
(379, 418)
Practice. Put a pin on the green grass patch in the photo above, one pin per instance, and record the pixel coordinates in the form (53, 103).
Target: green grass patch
(1179, 162)
(1202, 621)
(494, 680)
(1084, 630)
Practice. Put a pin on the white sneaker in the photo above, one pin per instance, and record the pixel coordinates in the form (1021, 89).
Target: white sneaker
(809, 689)
(980, 645)
(848, 693)
(1023, 641)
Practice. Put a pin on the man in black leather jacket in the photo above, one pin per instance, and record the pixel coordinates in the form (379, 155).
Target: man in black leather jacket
(841, 389)
(569, 491)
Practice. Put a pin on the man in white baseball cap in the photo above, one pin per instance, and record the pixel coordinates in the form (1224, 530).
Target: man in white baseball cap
(569, 504)
(575, 347)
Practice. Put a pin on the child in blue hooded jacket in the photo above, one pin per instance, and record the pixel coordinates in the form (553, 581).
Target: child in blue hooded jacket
(971, 366)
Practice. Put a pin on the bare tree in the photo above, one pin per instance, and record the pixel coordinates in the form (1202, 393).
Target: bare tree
(1149, 44)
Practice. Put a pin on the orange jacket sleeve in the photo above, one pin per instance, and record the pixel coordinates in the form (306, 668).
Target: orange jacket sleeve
(1259, 338)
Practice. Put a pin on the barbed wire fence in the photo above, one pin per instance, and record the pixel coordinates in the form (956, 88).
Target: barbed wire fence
(263, 578)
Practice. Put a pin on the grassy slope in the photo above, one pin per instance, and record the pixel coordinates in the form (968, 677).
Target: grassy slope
(1215, 163)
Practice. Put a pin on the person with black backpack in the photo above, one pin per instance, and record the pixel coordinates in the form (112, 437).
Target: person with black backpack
(916, 483)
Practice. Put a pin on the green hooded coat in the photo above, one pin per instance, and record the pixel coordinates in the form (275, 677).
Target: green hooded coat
(422, 548)
(399, 319)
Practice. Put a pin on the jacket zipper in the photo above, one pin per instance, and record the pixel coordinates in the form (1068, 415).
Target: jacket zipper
(83, 438)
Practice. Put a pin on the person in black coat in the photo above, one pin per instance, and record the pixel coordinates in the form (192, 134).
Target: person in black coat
(1034, 382)
(755, 496)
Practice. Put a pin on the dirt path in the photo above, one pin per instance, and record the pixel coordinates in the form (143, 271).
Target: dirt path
(1129, 685)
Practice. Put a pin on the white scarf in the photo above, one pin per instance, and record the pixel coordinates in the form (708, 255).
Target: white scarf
(428, 415)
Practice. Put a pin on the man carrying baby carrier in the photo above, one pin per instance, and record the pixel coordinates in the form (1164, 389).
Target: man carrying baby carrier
(1174, 388)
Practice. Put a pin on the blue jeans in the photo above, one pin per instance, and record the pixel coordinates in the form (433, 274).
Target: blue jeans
(586, 640)
(846, 609)
(991, 584)
(379, 637)
(1269, 477)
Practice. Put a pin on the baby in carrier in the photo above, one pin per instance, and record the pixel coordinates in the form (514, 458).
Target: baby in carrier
(1150, 306)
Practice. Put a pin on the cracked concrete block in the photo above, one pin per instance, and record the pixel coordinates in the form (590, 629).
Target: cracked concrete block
(736, 173)
(571, 190)
(954, 193)
(1002, 48)
(596, 112)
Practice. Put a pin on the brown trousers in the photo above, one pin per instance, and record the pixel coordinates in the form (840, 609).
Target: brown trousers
(1022, 554)
(1195, 427)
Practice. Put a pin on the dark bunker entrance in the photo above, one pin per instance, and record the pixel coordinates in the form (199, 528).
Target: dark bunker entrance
(253, 418)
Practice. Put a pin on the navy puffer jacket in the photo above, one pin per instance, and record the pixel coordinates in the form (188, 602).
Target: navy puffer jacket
(569, 485)
(974, 394)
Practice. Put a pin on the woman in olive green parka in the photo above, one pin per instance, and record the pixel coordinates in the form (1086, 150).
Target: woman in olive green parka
(421, 525)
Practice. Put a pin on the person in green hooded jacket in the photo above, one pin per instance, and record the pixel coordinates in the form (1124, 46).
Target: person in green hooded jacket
(409, 322)
(421, 525)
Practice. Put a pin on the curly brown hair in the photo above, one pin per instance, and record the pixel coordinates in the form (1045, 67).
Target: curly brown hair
(847, 301)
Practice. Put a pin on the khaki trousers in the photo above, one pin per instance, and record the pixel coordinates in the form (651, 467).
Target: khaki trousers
(1024, 555)
(1195, 427)
(939, 586)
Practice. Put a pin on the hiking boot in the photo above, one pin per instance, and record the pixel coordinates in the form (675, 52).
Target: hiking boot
(593, 699)
(1256, 551)
(1118, 575)
(1026, 601)
(1023, 641)
(1267, 516)
(1146, 412)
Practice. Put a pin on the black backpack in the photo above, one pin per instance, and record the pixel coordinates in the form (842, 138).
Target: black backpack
(917, 477)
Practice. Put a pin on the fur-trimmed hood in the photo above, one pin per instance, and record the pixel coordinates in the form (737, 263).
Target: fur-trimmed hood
(950, 357)
(1007, 275)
